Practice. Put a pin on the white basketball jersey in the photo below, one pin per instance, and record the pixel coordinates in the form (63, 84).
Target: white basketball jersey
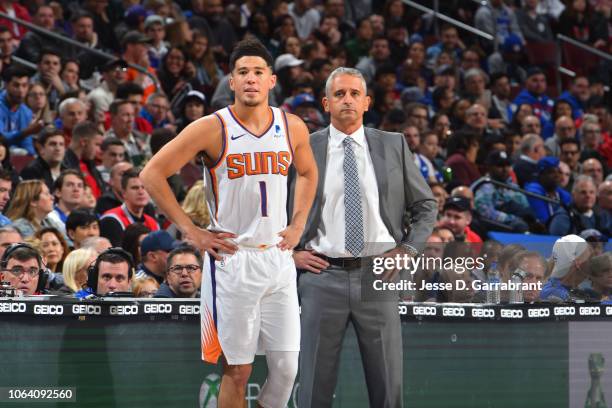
(246, 190)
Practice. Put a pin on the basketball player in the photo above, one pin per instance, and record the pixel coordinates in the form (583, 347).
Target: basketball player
(249, 297)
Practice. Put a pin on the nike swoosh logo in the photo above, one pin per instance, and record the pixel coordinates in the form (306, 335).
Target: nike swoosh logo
(238, 137)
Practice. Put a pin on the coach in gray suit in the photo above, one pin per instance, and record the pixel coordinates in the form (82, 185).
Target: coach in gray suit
(369, 191)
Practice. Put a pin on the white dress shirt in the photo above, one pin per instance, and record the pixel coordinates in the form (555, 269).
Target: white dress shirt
(330, 235)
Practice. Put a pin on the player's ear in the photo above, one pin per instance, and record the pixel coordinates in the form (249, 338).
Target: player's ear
(367, 102)
(231, 81)
(272, 80)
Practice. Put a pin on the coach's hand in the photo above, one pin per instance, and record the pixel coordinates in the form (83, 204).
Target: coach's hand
(291, 237)
(211, 241)
(307, 260)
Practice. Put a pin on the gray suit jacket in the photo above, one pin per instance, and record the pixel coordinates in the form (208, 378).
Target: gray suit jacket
(407, 206)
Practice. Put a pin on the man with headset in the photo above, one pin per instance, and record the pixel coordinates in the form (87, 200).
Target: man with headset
(111, 273)
(22, 267)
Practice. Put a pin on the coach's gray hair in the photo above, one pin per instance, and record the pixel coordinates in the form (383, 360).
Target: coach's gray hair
(67, 102)
(344, 71)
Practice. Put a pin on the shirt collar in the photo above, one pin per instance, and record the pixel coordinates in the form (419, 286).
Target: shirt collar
(336, 136)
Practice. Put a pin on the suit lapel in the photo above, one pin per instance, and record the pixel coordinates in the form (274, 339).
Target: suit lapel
(377, 154)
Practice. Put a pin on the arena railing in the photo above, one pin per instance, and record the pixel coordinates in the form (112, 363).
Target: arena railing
(70, 41)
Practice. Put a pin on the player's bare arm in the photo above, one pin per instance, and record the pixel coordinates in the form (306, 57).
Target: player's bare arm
(306, 182)
(203, 135)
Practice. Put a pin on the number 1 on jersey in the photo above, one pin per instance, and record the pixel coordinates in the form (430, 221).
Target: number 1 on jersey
(264, 198)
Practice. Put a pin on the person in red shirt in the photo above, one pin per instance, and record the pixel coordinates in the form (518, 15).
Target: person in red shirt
(81, 154)
(14, 9)
(457, 216)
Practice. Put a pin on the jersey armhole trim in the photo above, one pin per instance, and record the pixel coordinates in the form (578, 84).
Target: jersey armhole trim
(287, 133)
(223, 142)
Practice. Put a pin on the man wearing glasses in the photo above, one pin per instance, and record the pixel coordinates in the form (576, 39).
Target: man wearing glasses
(22, 269)
(184, 274)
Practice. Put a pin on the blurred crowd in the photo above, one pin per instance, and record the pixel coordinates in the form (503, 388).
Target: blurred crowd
(505, 143)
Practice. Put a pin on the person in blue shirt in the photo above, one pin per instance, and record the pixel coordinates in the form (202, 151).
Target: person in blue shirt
(534, 94)
(570, 255)
(16, 124)
(577, 95)
(6, 182)
(548, 184)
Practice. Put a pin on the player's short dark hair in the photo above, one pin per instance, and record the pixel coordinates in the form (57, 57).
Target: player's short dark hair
(250, 47)
(127, 176)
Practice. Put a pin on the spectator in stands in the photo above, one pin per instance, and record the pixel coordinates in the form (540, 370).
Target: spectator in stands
(379, 54)
(593, 169)
(534, 266)
(122, 127)
(68, 192)
(548, 184)
(98, 244)
(82, 25)
(112, 197)
(145, 287)
(570, 254)
(114, 73)
(33, 42)
(577, 95)
(154, 28)
(359, 46)
(184, 274)
(6, 182)
(462, 152)
(534, 25)
(30, 205)
(580, 22)
(569, 154)
(449, 42)
(53, 248)
(499, 20)
(16, 124)
(70, 75)
(591, 136)
(6, 47)
(135, 198)
(476, 122)
(500, 98)
(193, 108)
(49, 68)
(457, 216)
(72, 111)
(133, 93)
(113, 152)
(82, 152)
(13, 8)
(305, 16)
(75, 269)
(582, 213)
(157, 110)
(499, 204)
(200, 52)
(209, 19)
(175, 74)
(195, 207)
(600, 272)
(112, 272)
(158, 139)
(134, 45)
(23, 269)
(417, 116)
(534, 94)
(564, 130)
(531, 152)
(475, 83)
(8, 235)
(154, 250)
(49, 163)
(36, 100)
(531, 125)
(102, 24)
(80, 225)
(604, 196)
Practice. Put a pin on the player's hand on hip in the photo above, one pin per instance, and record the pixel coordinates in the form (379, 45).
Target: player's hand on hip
(212, 242)
(309, 261)
(291, 237)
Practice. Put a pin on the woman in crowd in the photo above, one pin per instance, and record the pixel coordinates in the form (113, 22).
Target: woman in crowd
(194, 206)
(31, 203)
(208, 73)
(37, 101)
(75, 269)
(145, 287)
(174, 75)
(53, 247)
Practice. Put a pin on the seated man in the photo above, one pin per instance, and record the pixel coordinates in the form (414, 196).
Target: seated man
(22, 267)
(548, 184)
(48, 165)
(9, 235)
(6, 186)
(457, 216)
(582, 214)
(113, 152)
(135, 198)
(500, 204)
(112, 273)
(80, 225)
(570, 254)
(68, 192)
(154, 250)
(184, 274)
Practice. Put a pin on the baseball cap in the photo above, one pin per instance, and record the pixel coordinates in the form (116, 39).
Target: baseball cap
(498, 158)
(134, 14)
(593, 235)
(153, 19)
(158, 241)
(548, 162)
(457, 203)
(286, 60)
(196, 96)
(512, 43)
(564, 252)
(134, 37)
(114, 63)
(303, 99)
